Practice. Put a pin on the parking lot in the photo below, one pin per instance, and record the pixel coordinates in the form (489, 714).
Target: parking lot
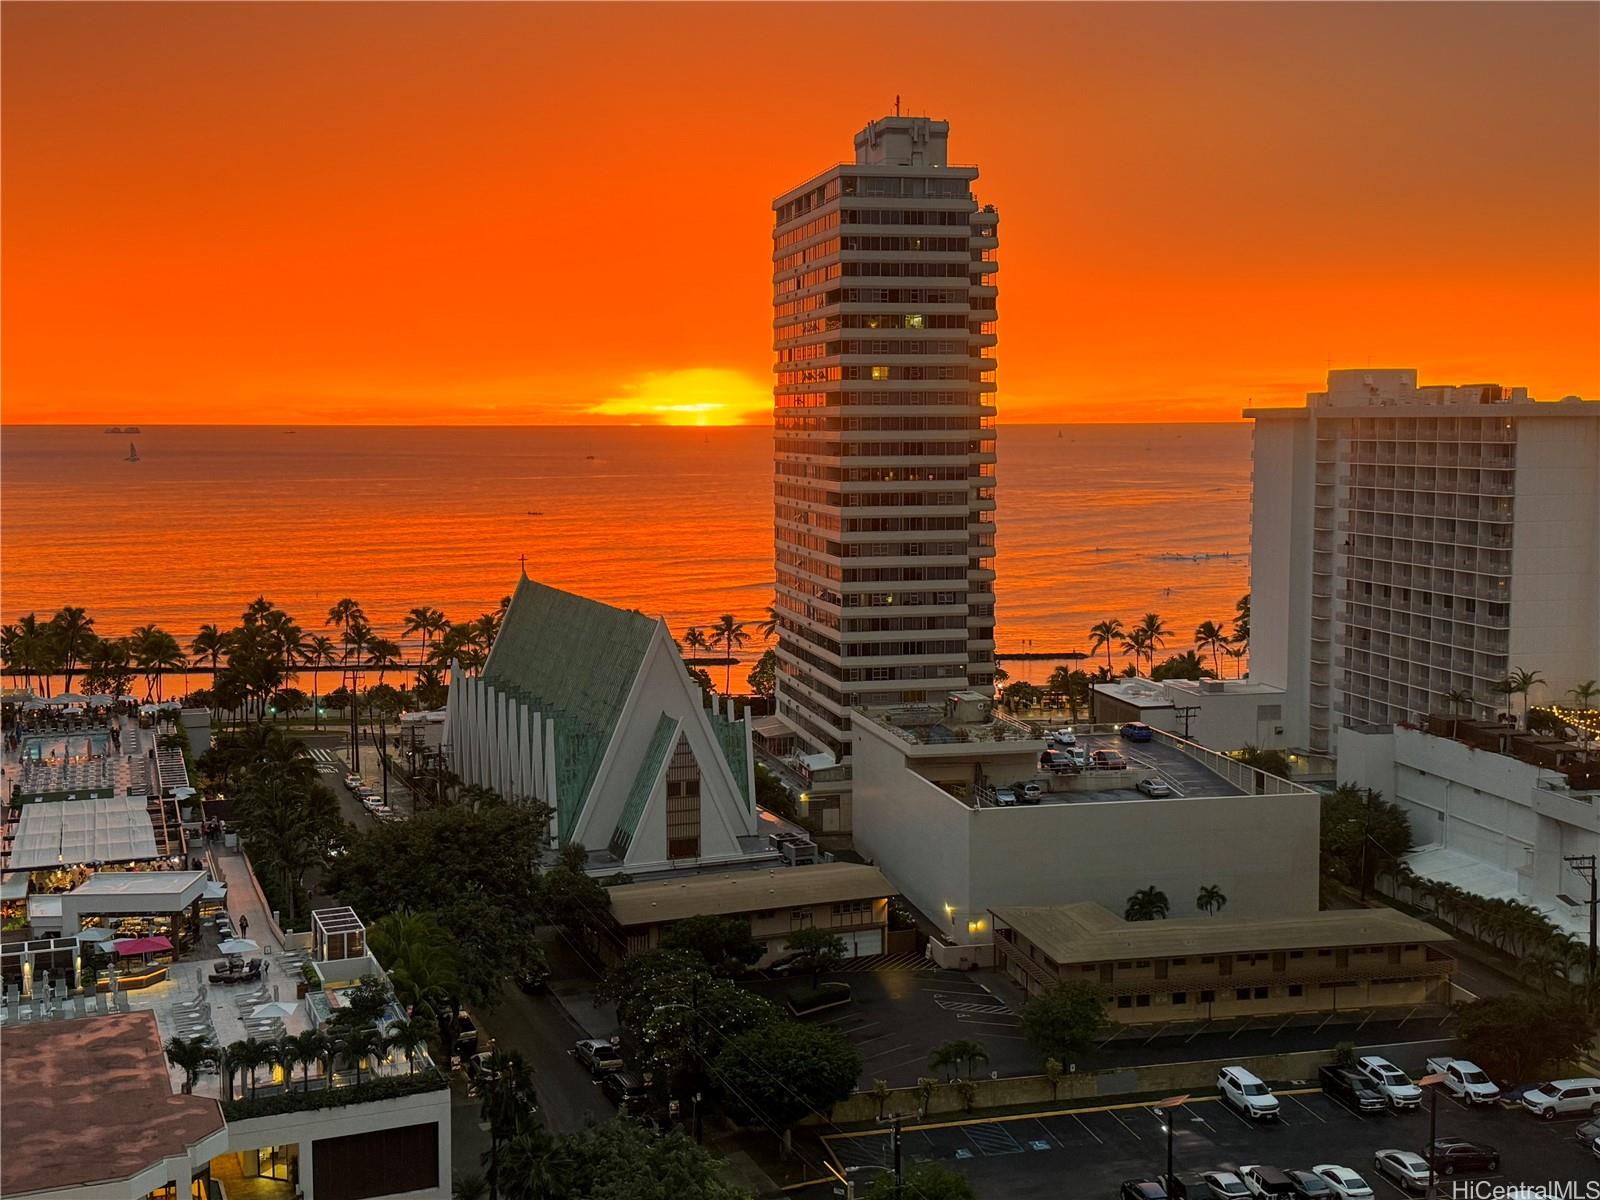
(903, 1009)
(1184, 775)
(1088, 1152)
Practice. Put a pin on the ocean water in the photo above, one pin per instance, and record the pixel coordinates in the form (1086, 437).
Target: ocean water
(1094, 521)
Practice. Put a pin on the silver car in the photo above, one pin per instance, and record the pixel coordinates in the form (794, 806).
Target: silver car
(1223, 1185)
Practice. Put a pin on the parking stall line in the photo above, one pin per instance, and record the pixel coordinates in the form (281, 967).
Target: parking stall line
(1194, 1116)
(1228, 1108)
(890, 1050)
(1124, 1124)
(1308, 1108)
(1087, 1130)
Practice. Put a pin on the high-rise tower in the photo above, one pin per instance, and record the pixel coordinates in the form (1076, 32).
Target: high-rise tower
(883, 323)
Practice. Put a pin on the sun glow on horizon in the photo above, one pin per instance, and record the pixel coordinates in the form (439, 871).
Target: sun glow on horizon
(689, 396)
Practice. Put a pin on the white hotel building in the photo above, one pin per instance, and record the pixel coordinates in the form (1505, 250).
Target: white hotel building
(1412, 542)
(884, 320)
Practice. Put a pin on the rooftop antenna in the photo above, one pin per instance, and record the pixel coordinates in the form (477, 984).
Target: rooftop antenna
(897, 104)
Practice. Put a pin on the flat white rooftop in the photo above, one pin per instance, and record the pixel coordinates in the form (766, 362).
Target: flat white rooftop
(139, 883)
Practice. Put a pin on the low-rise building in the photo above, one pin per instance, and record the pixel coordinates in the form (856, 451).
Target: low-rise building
(1222, 714)
(848, 899)
(1494, 811)
(933, 792)
(1200, 968)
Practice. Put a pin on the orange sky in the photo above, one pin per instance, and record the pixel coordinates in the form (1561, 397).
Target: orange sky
(540, 213)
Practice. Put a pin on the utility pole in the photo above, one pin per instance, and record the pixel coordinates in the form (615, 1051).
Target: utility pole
(1435, 1082)
(1585, 865)
(1186, 713)
(1169, 1119)
(894, 1140)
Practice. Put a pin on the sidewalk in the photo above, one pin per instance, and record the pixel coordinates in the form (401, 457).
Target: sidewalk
(243, 900)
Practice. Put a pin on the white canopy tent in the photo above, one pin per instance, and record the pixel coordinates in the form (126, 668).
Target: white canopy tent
(70, 832)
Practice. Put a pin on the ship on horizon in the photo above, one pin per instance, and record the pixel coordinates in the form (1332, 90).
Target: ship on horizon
(133, 453)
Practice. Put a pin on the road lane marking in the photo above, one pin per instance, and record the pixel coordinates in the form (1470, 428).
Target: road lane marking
(1086, 1128)
(1124, 1124)
(1308, 1108)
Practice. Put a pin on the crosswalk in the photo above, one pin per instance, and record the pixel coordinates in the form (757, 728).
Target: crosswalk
(323, 755)
(993, 1139)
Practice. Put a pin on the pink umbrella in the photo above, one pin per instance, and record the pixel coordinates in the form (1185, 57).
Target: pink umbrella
(128, 947)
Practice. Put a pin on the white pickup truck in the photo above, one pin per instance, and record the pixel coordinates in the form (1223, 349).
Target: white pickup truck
(1465, 1080)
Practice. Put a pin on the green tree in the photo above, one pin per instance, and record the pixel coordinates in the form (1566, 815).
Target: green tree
(763, 677)
(72, 633)
(815, 951)
(1020, 695)
(189, 1055)
(1273, 762)
(694, 641)
(780, 1072)
(420, 958)
(725, 943)
(1518, 1037)
(1211, 900)
(1187, 665)
(1208, 635)
(1147, 904)
(108, 667)
(1105, 634)
(1585, 694)
(963, 1056)
(1064, 1020)
(1241, 622)
(1519, 683)
(922, 1181)
(617, 1160)
(1361, 832)
(420, 865)
(730, 635)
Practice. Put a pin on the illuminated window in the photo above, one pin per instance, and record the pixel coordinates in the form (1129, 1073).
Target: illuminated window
(880, 372)
(915, 321)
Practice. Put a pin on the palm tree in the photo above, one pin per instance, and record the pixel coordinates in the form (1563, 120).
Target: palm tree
(31, 649)
(309, 1047)
(317, 652)
(249, 1056)
(73, 632)
(1147, 904)
(189, 1055)
(1105, 634)
(693, 641)
(407, 1037)
(1156, 632)
(507, 1103)
(209, 645)
(358, 1044)
(343, 615)
(155, 651)
(1236, 650)
(1241, 622)
(427, 622)
(1208, 635)
(1519, 683)
(1584, 694)
(383, 654)
(730, 635)
(1136, 643)
(1459, 699)
(1211, 900)
(768, 629)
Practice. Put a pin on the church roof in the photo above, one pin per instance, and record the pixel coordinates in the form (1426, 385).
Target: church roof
(574, 660)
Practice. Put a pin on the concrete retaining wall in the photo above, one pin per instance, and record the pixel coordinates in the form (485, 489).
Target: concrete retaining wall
(1152, 1079)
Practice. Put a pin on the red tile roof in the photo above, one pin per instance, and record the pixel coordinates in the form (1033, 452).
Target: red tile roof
(90, 1101)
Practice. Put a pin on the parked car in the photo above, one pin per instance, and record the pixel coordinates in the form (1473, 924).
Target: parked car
(1451, 1156)
(1588, 1131)
(532, 980)
(1594, 1147)
(1223, 1185)
(1059, 764)
(1352, 1089)
(1465, 1080)
(1403, 1168)
(1108, 760)
(1307, 1184)
(1032, 793)
(1137, 731)
(1266, 1181)
(626, 1090)
(1244, 1091)
(598, 1055)
(1156, 788)
(1391, 1081)
(1063, 737)
(1346, 1184)
(1564, 1098)
(1142, 1189)
(1004, 797)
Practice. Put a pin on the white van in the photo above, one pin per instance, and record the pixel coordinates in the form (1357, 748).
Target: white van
(1246, 1093)
(1563, 1098)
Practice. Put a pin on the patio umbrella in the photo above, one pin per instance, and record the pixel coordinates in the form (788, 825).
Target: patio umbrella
(69, 698)
(36, 703)
(235, 946)
(127, 699)
(13, 695)
(100, 934)
(101, 702)
(274, 1010)
(147, 708)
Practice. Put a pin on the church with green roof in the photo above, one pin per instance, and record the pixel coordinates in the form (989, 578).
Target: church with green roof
(589, 709)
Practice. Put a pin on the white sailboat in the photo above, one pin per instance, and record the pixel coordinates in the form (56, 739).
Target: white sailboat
(133, 453)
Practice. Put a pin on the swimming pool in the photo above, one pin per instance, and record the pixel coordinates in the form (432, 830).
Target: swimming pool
(63, 746)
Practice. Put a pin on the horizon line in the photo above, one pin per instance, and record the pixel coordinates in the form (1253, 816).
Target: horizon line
(142, 425)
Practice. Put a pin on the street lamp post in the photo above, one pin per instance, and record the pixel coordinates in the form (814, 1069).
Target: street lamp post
(1434, 1082)
(1171, 1104)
